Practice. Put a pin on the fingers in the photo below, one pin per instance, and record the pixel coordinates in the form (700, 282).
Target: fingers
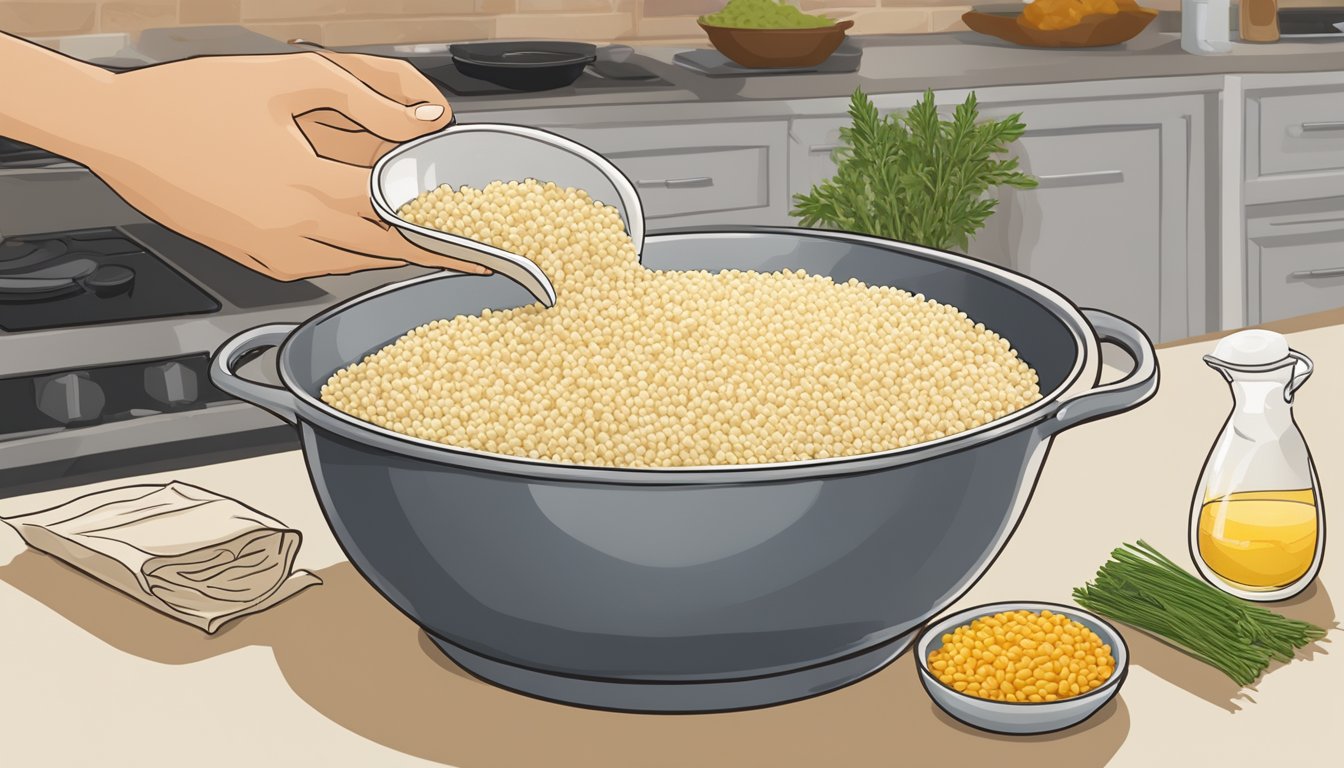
(358, 236)
(393, 78)
(304, 258)
(343, 188)
(345, 220)
(335, 137)
(334, 88)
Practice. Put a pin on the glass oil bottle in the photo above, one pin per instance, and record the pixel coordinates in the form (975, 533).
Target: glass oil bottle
(1257, 524)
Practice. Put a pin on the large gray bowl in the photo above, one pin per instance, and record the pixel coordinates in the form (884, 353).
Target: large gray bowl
(688, 589)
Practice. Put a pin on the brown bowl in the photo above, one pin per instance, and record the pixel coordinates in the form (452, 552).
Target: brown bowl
(1092, 32)
(775, 48)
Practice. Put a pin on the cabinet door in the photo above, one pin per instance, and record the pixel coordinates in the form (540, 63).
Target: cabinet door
(1118, 222)
(1092, 229)
(1295, 261)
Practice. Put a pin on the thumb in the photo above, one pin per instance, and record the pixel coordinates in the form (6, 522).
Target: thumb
(376, 113)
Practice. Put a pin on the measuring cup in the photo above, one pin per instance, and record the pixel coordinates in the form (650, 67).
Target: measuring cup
(476, 154)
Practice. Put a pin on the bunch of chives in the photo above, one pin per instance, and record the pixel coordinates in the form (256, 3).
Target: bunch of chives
(1141, 587)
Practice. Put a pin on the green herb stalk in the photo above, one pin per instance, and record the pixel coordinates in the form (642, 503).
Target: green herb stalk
(1141, 587)
(915, 178)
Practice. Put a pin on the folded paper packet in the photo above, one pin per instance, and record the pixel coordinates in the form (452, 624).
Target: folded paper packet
(197, 556)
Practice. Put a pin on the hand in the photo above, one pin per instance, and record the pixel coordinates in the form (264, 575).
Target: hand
(265, 158)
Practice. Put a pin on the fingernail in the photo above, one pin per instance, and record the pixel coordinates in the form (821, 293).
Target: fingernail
(429, 112)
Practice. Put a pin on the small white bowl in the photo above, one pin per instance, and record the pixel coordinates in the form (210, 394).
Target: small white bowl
(476, 154)
(1019, 718)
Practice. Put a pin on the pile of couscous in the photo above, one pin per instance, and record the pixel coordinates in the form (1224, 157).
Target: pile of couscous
(640, 368)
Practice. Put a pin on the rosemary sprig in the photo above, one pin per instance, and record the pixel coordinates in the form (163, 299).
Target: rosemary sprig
(915, 177)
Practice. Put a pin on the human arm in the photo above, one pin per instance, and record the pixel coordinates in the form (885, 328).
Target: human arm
(262, 158)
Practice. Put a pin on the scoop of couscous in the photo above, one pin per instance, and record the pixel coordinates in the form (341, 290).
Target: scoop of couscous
(642, 368)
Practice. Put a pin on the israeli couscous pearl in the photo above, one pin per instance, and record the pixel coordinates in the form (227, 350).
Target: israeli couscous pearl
(640, 368)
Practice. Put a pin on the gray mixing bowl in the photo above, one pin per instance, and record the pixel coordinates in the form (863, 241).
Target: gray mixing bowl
(686, 589)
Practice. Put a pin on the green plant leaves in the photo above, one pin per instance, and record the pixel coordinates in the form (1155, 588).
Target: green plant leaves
(915, 177)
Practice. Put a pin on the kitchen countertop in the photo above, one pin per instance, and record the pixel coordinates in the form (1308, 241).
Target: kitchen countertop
(910, 63)
(336, 676)
(955, 60)
(891, 64)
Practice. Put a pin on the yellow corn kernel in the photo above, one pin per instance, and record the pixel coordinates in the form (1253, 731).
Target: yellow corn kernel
(1022, 656)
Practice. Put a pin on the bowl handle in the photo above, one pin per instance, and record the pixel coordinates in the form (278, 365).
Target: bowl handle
(1136, 388)
(277, 400)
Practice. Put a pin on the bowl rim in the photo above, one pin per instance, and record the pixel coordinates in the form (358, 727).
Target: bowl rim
(471, 53)
(840, 24)
(940, 625)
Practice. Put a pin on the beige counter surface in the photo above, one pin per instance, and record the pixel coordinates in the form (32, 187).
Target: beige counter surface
(337, 677)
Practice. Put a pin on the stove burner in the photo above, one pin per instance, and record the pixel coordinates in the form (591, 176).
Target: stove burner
(16, 249)
(77, 267)
(20, 254)
(88, 277)
(63, 278)
(35, 288)
(110, 280)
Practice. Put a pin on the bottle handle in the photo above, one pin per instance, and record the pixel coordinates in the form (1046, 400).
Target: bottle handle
(1302, 369)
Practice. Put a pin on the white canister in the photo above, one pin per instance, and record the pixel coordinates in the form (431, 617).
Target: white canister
(1206, 26)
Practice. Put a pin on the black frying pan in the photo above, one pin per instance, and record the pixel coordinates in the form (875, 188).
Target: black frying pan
(524, 65)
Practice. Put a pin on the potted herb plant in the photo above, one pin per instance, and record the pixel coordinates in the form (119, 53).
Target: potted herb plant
(915, 177)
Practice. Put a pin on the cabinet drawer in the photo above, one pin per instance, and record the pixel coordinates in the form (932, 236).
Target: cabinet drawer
(1296, 264)
(720, 173)
(698, 181)
(1296, 131)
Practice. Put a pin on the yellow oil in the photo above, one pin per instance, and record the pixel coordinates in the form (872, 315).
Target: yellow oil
(1259, 540)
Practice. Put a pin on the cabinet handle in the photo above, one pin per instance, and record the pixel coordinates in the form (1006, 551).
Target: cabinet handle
(1308, 274)
(824, 147)
(1329, 125)
(1296, 222)
(693, 181)
(1079, 179)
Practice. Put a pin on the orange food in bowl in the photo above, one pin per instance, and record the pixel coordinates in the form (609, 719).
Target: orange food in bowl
(1023, 656)
(1063, 14)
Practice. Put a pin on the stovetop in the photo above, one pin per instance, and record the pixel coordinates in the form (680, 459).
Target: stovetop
(449, 78)
(107, 325)
(15, 154)
(617, 68)
(91, 276)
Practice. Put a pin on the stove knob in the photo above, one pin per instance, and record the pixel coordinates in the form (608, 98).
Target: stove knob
(172, 384)
(70, 398)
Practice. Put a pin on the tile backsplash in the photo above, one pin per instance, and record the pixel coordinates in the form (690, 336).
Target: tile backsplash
(353, 22)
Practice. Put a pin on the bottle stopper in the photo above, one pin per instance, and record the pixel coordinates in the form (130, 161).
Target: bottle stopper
(1251, 349)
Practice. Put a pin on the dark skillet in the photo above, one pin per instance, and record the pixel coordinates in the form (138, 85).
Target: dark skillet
(524, 65)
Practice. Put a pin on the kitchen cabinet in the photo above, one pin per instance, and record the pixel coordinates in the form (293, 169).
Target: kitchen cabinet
(1294, 135)
(1282, 187)
(702, 174)
(1118, 221)
(1294, 259)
